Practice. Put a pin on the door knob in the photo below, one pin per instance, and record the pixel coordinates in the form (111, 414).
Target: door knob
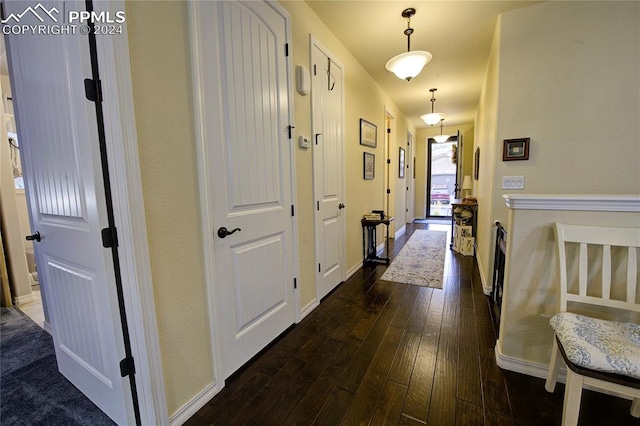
(341, 206)
(35, 236)
(223, 232)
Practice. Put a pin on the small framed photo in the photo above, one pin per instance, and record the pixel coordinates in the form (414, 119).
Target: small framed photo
(401, 165)
(369, 166)
(515, 149)
(368, 134)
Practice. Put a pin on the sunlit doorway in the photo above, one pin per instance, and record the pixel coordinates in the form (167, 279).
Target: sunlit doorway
(441, 180)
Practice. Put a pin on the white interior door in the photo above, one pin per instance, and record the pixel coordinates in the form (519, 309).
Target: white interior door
(328, 147)
(63, 177)
(248, 156)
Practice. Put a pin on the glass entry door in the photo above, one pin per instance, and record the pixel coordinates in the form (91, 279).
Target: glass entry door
(442, 177)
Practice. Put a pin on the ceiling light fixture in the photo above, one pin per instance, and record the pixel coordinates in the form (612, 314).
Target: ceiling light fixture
(408, 65)
(433, 118)
(441, 138)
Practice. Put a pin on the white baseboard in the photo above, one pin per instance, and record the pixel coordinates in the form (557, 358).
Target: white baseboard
(486, 289)
(187, 411)
(540, 371)
(525, 367)
(21, 300)
(355, 268)
(47, 327)
(308, 308)
(401, 231)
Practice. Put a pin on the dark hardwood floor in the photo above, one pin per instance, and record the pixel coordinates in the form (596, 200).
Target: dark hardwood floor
(384, 353)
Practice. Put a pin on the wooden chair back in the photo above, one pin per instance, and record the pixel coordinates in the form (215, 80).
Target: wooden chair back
(622, 240)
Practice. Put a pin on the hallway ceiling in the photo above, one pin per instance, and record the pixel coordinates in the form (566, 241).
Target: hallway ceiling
(457, 33)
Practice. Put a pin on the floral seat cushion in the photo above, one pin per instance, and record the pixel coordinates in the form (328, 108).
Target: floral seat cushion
(609, 346)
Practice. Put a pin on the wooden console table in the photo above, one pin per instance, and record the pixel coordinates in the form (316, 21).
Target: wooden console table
(369, 252)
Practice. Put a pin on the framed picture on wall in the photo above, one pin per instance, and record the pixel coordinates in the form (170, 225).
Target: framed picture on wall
(369, 166)
(515, 149)
(368, 134)
(401, 164)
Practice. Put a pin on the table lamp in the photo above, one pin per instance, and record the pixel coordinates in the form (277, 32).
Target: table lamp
(467, 185)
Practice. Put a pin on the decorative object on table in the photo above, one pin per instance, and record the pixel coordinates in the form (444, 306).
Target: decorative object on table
(369, 167)
(441, 137)
(434, 117)
(401, 164)
(463, 222)
(409, 64)
(379, 212)
(467, 185)
(421, 260)
(515, 149)
(368, 133)
(476, 164)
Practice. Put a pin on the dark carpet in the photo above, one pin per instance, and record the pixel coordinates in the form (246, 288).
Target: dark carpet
(32, 391)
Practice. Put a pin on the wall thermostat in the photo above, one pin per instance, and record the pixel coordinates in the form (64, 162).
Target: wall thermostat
(303, 80)
(304, 141)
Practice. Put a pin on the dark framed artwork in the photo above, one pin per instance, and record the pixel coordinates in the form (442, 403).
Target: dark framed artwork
(368, 134)
(401, 164)
(476, 164)
(369, 166)
(515, 149)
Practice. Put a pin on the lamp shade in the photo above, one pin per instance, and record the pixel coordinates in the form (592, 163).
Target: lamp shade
(441, 138)
(409, 64)
(432, 118)
(466, 182)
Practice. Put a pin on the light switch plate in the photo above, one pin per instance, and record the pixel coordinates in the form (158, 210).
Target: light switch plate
(512, 182)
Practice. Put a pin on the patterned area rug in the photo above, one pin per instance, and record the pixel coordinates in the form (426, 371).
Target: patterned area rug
(421, 260)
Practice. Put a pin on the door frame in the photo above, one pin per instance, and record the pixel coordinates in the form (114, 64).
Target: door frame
(409, 200)
(313, 41)
(130, 217)
(198, 25)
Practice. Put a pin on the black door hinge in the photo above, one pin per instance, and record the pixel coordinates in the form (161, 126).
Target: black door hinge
(293, 210)
(290, 128)
(388, 161)
(295, 283)
(109, 237)
(388, 191)
(286, 49)
(319, 269)
(318, 205)
(314, 70)
(388, 130)
(127, 367)
(93, 90)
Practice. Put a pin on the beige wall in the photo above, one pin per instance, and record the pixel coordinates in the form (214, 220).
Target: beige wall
(572, 88)
(161, 72)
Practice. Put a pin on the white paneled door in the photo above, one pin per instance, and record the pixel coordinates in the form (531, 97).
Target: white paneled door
(328, 145)
(243, 81)
(63, 175)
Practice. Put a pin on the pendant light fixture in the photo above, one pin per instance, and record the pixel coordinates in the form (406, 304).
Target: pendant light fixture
(434, 117)
(408, 65)
(441, 138)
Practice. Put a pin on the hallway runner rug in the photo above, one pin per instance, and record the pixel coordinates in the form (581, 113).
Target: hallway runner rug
(421, 260)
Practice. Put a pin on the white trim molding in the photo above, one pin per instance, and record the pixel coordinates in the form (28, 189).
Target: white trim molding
(187, 411)
(309, 307)
(574, 202)
(400, 232)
